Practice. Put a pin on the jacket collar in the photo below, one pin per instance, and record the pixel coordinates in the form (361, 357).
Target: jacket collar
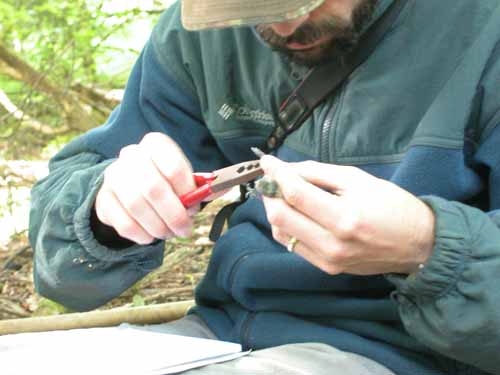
(380, 9)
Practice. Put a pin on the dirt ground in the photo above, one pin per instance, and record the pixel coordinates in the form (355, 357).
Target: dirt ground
(184, 265)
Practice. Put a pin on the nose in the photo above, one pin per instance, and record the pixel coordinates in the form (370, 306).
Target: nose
(287, 28)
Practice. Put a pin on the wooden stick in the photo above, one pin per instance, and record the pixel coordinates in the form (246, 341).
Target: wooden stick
(169, 293)
(153, 314)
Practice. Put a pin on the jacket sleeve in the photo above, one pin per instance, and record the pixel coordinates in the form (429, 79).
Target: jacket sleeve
(452, 305)
(70, 265)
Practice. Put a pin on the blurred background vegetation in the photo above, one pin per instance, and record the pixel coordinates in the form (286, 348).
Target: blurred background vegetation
(60, 62)
(63, 67)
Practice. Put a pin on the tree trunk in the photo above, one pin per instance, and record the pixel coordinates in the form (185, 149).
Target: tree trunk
(26, 121)
(83, 107)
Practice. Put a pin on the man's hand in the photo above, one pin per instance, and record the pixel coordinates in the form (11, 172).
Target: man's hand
(348, 221)
(139, 196)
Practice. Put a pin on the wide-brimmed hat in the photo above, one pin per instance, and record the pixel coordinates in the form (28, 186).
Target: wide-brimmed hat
(203, 14)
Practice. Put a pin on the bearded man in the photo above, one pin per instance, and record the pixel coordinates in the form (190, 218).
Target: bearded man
(390, 189)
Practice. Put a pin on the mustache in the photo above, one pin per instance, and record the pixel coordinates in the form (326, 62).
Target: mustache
(337, 30)
(307, 33)
(337, 36)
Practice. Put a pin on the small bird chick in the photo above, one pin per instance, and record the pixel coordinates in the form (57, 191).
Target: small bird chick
(268, 187)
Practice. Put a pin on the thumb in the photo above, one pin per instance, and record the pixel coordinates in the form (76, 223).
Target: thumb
(331, 177)
(270, 164)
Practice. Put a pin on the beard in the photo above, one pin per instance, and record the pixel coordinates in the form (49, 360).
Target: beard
(340, 36)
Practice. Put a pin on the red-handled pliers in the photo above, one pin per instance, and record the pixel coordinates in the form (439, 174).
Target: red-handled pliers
(221, 179)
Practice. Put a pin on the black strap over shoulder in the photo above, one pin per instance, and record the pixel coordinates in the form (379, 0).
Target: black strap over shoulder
(320, 83)
(324, 80)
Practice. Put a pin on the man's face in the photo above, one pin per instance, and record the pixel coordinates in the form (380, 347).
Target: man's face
(330, 30)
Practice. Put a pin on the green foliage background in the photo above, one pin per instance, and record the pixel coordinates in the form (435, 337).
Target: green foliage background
(72, 44)
(58, 61)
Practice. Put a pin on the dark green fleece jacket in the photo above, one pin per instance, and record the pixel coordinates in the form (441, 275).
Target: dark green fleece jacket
(422, 112)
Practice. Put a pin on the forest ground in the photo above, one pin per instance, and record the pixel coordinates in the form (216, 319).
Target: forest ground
(184, 265)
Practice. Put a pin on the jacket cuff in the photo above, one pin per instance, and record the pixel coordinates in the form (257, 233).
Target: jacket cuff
(107, 235)
(84, 233)
(451, 251)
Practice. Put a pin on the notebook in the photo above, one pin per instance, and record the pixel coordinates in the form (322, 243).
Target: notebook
(124, 350)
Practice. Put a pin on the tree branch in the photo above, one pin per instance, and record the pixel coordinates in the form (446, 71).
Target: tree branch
(77, 115)
(25, 120)
(95, 98)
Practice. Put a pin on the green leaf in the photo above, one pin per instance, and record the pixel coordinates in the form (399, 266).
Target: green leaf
(138, 300)
(47, 307)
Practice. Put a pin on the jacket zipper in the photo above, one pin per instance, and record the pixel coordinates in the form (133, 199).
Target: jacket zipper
(329, 125)
(326, 130)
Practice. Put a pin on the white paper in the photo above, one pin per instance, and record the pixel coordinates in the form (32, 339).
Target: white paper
(124, 350)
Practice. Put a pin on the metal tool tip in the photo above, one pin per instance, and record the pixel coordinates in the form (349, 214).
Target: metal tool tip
(257, 151)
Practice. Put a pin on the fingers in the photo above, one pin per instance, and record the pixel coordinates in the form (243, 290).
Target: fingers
(308, 254)
(140, 193)
(131, 199)
(322, 207)
(318, 245)
(151, 186)
(170, 162)
(334, 178)
(374, 225)
(331, 177)
(319, 219)
(112, 213)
